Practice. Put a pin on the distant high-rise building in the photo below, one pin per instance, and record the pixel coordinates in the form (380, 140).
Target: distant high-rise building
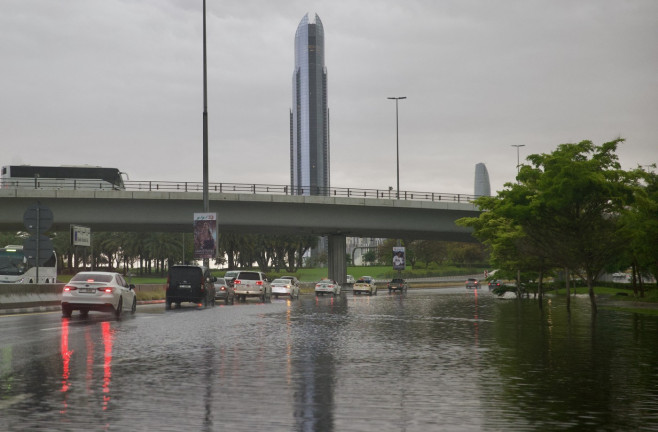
(482, 187)
(309, 116)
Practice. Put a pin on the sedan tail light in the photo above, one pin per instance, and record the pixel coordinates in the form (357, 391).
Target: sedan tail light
(70, 288)
(237, 282)
(259, 282)
(107, 290)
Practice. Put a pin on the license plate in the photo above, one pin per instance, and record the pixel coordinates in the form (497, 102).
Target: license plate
(87, 290)
(184, 286)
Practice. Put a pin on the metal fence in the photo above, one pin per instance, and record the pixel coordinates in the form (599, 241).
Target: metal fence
(240, 188)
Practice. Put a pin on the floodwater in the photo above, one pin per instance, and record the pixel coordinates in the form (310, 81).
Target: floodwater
(430, 360)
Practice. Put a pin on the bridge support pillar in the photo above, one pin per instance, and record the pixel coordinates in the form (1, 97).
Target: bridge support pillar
(337, 258)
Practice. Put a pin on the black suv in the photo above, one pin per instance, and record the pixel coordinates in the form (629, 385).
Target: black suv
(397, 284)
(190, 283)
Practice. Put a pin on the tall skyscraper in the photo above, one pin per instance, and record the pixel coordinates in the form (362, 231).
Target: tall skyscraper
(309, 116)
(482, 187)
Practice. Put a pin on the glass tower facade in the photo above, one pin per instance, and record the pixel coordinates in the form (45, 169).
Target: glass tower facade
(482, 187)
(309, 117)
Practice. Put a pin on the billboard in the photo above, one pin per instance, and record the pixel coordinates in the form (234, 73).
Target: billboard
(205, 235)
(398, 258)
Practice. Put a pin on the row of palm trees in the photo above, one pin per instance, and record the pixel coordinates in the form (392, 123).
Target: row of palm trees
(152, 253)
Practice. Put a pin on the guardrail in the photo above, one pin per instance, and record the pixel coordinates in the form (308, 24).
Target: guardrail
(241, 188)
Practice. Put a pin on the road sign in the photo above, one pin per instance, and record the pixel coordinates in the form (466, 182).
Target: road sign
(80, 235)
(45, 250)
(37, 219)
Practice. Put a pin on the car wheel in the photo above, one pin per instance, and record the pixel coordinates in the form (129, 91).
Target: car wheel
(66, 311)
(168, 304)
(119, 308)
(133, 309)
(204, 302)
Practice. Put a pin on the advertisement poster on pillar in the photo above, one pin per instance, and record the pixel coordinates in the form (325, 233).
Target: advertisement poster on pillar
(205, 235)
(398, 258)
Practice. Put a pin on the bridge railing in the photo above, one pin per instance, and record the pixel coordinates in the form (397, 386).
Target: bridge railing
(240, 188)
(255, 188)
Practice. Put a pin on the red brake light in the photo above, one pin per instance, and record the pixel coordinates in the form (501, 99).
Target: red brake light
(223, 288)
(237, 282)
(70, 288)
(259, 282)
(105, 289)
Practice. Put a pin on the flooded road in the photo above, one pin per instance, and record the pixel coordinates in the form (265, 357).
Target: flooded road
(430, 360)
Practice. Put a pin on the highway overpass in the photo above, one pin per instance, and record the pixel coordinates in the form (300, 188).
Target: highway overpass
(168, 211)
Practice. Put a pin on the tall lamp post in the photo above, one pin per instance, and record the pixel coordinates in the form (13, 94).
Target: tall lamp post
(397, 140)
(206, 201)
(518, 163)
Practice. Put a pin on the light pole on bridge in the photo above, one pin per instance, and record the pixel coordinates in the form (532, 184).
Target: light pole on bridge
(397, 140)
(518, 163)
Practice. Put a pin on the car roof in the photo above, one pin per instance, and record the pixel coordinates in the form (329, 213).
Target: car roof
(97, 272)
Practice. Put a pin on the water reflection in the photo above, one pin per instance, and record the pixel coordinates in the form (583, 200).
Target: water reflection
(70, 361)
(430, 360)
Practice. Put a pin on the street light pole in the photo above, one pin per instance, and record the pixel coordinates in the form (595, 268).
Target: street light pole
(397, 140)
(206, 200)
(518, 163)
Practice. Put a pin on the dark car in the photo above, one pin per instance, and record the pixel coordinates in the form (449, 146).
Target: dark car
(190, 283)
(397, 284)
(494, 284)
(472, 283)
(224, 291)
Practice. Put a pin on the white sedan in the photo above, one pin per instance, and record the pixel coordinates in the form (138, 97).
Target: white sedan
(98, 291)
(327, 287)
(285, 287)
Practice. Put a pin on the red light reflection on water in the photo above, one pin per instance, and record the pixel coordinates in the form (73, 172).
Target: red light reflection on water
(477, 329)
(67, 354)
(107, 363)
(66, 357)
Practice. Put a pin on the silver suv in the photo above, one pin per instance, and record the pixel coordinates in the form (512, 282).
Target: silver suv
(252, 284)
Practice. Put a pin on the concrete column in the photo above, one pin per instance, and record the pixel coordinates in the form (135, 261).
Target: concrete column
(337, 258)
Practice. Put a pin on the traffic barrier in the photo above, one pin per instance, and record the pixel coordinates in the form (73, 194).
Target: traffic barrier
(15, 298)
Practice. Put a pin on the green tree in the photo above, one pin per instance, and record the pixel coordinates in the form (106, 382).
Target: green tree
(565, 208)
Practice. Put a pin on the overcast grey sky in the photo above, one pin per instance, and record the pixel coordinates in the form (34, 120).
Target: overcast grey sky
(119, 83)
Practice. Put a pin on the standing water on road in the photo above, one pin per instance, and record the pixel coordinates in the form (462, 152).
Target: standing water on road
(428, 360)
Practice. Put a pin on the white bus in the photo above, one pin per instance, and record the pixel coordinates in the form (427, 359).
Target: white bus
(61, 177)
(14, 268)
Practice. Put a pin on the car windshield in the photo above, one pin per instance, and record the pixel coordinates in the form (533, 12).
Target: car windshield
(220, 281)
(397, 280)
(281, 281)
(92, 277)
(231, 274)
